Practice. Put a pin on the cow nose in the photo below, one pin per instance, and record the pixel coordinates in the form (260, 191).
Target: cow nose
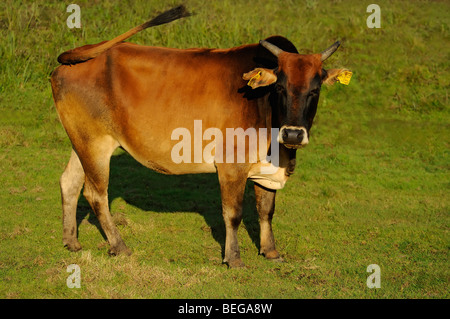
(300, 136)
(291, 136)
(294, 136)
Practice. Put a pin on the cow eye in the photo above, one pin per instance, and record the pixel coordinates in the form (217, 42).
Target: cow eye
(279, 88)
(314, 92)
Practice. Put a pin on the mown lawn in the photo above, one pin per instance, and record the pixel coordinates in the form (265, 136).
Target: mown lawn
(371, 187)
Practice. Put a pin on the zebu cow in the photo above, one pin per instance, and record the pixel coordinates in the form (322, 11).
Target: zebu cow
(116, 94)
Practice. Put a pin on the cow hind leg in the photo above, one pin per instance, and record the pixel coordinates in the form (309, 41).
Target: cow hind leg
(265, 205)
(95, 158)
(71, 182)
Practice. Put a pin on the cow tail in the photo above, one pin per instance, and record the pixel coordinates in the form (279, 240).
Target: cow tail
(88, 52)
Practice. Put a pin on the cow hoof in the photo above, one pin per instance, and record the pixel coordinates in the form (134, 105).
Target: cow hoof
(73, 245)
(274, 256)
(119, 250)
(237, 263)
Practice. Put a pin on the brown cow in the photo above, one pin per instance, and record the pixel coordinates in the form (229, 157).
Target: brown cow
(117, 94)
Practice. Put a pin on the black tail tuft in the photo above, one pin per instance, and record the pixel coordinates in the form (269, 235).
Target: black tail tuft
(168, 16)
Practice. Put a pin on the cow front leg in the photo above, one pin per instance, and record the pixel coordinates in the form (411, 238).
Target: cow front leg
(265, 205)
(232, 192)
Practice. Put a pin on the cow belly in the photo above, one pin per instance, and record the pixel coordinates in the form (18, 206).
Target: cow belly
(180, 169)
(159, 160)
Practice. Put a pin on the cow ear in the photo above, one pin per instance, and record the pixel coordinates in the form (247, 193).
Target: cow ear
(341, 75)
(260, 77)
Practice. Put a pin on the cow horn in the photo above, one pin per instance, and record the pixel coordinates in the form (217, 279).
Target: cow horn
(328, 52)
(272, 48)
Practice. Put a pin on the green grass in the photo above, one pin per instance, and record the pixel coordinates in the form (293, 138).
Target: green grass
(371, 188)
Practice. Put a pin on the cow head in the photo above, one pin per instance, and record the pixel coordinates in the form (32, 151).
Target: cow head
(296, 81)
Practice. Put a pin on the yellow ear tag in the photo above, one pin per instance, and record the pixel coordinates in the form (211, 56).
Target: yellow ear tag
(254, 78)
(344, 77)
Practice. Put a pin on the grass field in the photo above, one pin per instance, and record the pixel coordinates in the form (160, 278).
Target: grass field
(372, 187)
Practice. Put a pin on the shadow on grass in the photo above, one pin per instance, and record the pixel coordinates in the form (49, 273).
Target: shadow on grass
(154, 192)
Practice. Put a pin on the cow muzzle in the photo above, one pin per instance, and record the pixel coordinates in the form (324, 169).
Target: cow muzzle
(293, 136)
